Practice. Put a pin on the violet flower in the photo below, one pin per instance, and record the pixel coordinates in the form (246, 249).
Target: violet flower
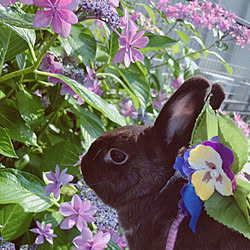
(86, 241)
(44, 232)
(61, 13)
(58, 179)
(80, 213)
(128, 109)
(6, 3)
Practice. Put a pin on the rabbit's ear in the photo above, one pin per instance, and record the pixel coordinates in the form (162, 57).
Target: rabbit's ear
(175, 123)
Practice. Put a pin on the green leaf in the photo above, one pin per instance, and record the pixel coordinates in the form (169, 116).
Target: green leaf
(228, 68)
(225, 210)
(6, 147)
(91, 126)
(183, 36)
(114, 46)
(65, 154)
(10, 43)
(158, 42)
(80, 42)
(26, 34)
(23, 188)
(150, 12)
(14, 221)
(206, 125)
(30, 107)
(139, 86)
(242, 196)
(94, 100)
(15, 16)
(233, 137)
(15, 126)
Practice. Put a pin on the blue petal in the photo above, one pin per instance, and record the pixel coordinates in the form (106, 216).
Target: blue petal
(215, 139)
(193, 204)
(179, 163)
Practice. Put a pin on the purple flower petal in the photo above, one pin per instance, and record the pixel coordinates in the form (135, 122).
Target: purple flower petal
(49, 239)
(43, 4)
(86, 234)
(50, 188)
(68, 222)
(61, 4)
(136, 55)
(66, 209)
(39, 239)
(119, 56)
(73, 5)
(76, 202)
(68, 16)
(6, 3)
(27, 2)
(81, 223)
(51, 176)
(42, 18)
(78, 241)
(101, 240)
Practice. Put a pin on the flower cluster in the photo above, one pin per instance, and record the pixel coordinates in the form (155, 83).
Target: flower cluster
(128, 109)
(102, 9)
(207, 168)
(204, 14)
(130, 39)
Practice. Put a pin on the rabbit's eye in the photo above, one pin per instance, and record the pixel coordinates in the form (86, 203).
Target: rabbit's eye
(117, 156)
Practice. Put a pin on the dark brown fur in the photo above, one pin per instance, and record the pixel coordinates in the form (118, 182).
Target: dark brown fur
(137, 189)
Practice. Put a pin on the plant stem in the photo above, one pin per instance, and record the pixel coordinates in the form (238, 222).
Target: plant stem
(34, 66)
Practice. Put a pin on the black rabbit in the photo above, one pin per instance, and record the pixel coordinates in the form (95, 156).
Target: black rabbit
(129, 167)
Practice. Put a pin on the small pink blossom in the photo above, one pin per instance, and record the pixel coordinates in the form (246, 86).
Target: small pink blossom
(44, 232)
(86, 241)
(113, 4)
(79, 162)
(58, 179)
(60, 11)
(80, 213)
(128, 109)
(176, 83)
(241, 124)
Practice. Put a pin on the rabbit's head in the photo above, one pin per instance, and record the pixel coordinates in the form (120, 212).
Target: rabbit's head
(136, 161)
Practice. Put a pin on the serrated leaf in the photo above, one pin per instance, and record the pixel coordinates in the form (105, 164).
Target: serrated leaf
(94, 100)
(14, 221)
(241, 196)
(233, 137)
(23, 188)
(225, 210)
(15, 16)
(206, 125)
(6, 147)
(11, 120)
(157, 42)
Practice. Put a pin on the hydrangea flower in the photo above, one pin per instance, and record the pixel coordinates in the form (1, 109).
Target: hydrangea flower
(58, 179)
(206, 166)
(80, 213)
(86, 241)
(44, 232)
(6, 3)
(60, 11)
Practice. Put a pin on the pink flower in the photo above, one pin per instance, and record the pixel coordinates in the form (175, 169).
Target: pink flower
(6, 3)
(44, 232)
(59, 179)
(241, 124)
(127, 43)
(128, 109)
(79, 162)
(80, 213)
(61, 11)
(113, 4)
(162, 5)
(176, 83)
(86, 241)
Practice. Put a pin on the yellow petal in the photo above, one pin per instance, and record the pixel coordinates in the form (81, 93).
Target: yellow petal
(223, 184)
(199, 155)
(203, 184)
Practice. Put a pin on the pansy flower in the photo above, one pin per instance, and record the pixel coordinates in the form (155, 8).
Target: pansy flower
(206, 166)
